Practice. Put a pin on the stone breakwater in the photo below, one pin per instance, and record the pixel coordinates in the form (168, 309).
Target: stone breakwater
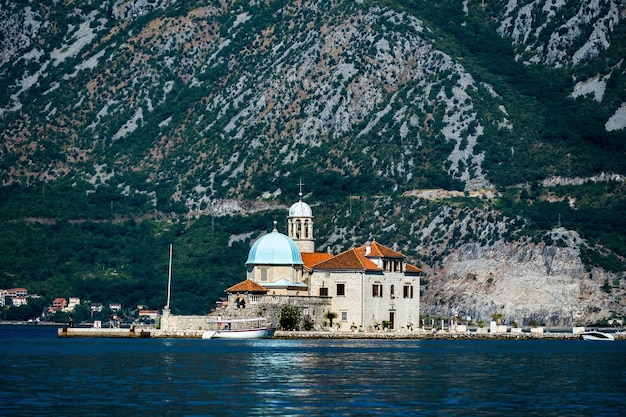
(281, 334)
(103, 332)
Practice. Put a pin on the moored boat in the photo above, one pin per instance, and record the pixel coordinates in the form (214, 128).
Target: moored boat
(239, 329)
(597, 336)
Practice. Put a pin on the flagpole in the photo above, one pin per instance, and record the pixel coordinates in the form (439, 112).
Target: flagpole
(169, 278)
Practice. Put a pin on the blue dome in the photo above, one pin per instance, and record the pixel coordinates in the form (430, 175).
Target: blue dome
(274, 249)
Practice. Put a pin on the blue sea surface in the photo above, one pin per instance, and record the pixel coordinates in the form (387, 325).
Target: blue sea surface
(43, 375)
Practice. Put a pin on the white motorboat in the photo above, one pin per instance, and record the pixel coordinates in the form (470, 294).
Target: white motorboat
(595, 335)
(255, 328)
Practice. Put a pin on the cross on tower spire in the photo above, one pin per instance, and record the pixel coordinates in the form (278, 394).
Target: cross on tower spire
(300, 184)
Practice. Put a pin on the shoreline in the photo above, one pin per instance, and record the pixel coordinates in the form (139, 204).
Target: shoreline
(474, 334)
(78, 332)
(435, 336)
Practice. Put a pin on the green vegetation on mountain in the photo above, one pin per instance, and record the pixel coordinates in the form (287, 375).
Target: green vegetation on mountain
(127, 127)
(121, 259)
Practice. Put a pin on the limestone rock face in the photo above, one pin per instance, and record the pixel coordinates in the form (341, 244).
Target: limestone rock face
(524, 281)
(528, 24)
(131, 9)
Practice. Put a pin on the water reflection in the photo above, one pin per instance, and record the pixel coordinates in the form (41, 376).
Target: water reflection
(341, 376)
(49, 376)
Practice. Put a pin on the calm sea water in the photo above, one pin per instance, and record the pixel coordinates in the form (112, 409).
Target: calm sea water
(46, 376)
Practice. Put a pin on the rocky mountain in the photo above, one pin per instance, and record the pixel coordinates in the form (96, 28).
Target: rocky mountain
(483, 139)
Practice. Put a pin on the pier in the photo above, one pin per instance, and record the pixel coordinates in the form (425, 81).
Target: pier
(103, 332)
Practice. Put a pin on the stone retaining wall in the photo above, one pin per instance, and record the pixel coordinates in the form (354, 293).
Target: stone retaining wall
(172, 323)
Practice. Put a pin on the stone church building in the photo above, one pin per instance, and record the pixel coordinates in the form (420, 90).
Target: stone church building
(366, 287)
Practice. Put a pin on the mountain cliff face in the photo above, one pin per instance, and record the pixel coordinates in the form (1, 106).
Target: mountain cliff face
(195, 108)
(280, 86)
(526, 282)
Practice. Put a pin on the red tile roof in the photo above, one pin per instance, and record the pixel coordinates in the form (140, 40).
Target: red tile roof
(350, 259)
(311, 258)
(381, 251)
(355, 259)
(247, 286)
(412, 269)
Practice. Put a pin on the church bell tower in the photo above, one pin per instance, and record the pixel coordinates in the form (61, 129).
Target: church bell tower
(300, 225)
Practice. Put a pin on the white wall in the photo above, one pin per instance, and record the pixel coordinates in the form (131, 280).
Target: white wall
(358, 303)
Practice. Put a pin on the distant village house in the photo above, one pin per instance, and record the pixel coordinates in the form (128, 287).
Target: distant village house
(58, 304)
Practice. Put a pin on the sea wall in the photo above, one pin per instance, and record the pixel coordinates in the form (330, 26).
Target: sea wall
(269, 306)
(281, 334)
(174, 323)
(422, 335)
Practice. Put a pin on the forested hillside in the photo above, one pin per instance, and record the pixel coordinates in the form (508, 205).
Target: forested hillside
(129, 125)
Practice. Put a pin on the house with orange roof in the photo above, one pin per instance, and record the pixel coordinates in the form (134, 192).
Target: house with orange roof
(17, 292)
(58, 304)
(371, 286)
(366, 287)
(246, 292)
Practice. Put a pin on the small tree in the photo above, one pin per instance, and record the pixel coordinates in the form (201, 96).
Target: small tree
(331, 316)
(308, 323)
(498, 317)
(290, 317)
